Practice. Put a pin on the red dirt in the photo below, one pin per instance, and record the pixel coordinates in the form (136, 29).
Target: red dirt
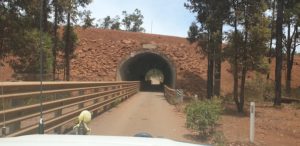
(227, 78)
(273, 127)
(6, 73)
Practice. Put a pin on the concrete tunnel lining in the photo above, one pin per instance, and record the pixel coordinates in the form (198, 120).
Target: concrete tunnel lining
(135, 67)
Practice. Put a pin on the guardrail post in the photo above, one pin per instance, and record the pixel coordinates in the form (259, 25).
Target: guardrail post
(58, 129)
(57, 113)
(4, 131)
(13, 127)
(252, 121)
(164, 90)
(16, 125)
(81, 105)
(196, 97)
(179, 94)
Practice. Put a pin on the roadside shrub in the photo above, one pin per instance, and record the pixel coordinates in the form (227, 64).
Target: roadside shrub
(116, 102)
(219, 139)
(202, 116)
(259, 89)
(296, 105)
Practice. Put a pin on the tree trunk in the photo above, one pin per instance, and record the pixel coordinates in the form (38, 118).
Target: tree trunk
(242, 93)
(45, 15)
(243, 78)
(288, 61)
(271, 39)
(244, 63)
(67, 48)
(278, 67)
(235, 66)
(294, 47)
(210, 75)
(55, 39)
(210, 67)
(218, 61)
(64, 77)
(288, 79)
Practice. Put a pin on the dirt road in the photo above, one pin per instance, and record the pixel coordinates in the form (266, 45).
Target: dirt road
(144, 112)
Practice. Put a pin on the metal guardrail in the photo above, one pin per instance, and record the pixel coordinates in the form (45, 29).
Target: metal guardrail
(173, 96)
(176, 96)
(62, 103)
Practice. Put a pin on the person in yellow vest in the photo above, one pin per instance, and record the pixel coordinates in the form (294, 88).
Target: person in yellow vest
(83, 119)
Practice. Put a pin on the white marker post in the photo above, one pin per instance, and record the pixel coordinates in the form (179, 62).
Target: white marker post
(252, 121)
(179, 93)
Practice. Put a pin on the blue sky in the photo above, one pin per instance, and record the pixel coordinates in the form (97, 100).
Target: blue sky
(168, 17)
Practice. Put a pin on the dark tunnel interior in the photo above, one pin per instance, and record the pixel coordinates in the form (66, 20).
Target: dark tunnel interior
(136, 68)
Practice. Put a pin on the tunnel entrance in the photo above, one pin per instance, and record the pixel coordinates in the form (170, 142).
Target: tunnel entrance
(146, 67)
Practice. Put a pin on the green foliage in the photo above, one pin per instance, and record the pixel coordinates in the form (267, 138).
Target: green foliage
(259, 35)
(19, 22)
(116, 102)
(252, 55)
(247, 45)
(193, 33)
(296, 105)
(107, 21)
(29, 55)
(73, 39)
(59, 7)
(209, 21)
(211, 15)
(210, 29)
(235, 39)
(259, 89)
(133, 22)
(12, 26)
(87, 20)
(116, 25)
(71, 6)
(202, 116)
(264, 66)
(219, 139)
(111, 23)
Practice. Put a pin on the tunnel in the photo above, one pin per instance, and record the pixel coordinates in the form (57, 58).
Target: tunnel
(138, 65)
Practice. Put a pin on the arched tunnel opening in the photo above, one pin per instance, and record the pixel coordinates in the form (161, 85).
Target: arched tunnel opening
(151, 69)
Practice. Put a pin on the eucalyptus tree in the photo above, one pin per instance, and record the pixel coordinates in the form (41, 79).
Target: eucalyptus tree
(19, 34)
(58, 10)
(72, 12)
(291, 23)
(133, 22)
(211, 14)
(87, 19)
(247, 43)
(279, 48)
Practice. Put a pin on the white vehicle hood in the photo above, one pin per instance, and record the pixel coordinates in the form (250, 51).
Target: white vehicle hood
(79, 140)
